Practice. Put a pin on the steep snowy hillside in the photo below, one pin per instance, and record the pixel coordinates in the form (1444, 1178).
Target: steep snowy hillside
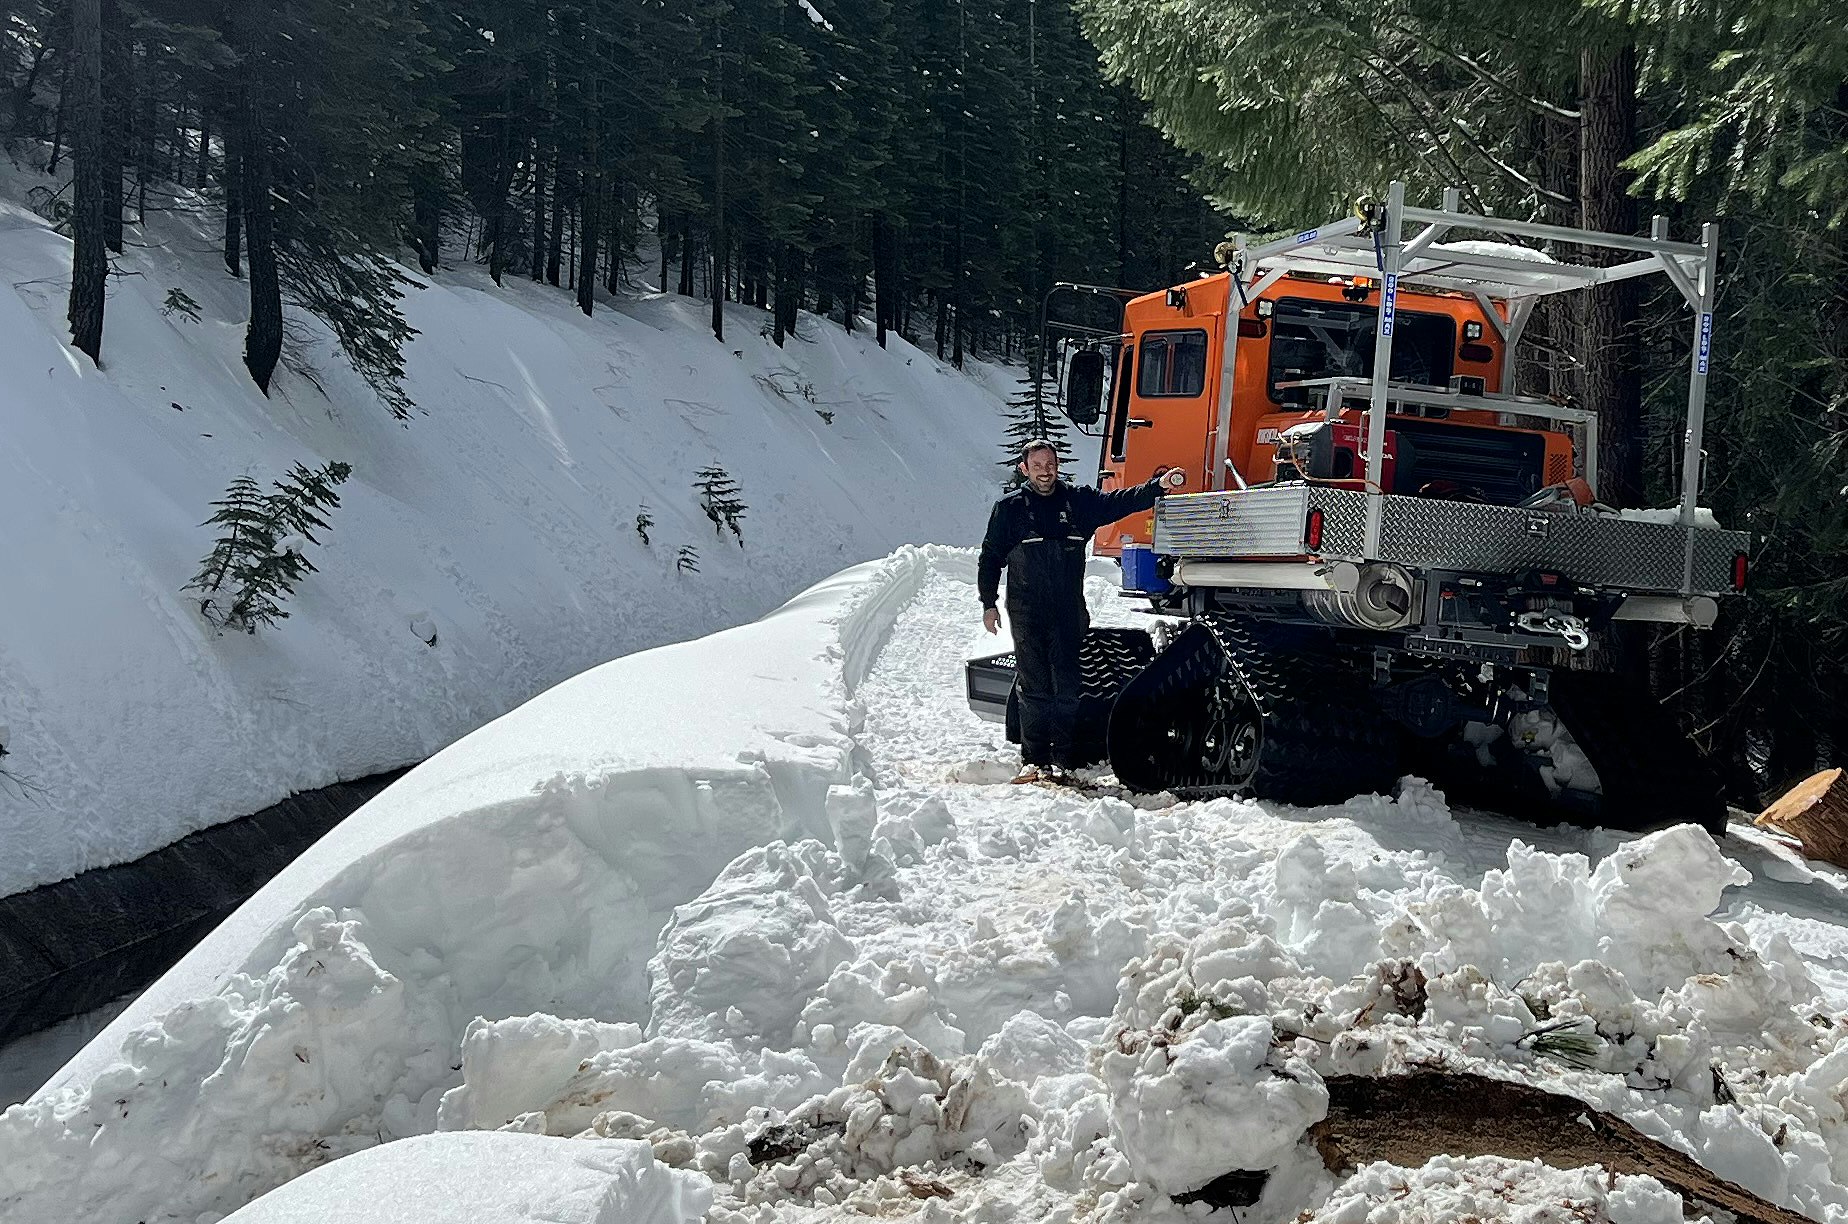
(483, 551)
(792, 934)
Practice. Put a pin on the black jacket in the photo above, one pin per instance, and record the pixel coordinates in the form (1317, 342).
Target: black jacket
(1040, 540)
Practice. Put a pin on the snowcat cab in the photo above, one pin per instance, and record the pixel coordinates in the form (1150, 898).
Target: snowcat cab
(1386, 558)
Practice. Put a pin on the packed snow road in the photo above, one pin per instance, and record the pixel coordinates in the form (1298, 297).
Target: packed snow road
(955, 999)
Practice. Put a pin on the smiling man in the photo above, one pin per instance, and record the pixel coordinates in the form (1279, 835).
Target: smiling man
(1038, 534)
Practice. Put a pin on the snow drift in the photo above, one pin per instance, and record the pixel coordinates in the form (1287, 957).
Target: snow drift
(777, 927)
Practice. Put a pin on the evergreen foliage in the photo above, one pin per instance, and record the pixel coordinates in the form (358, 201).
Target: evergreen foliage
(923, 168)
(1734, 109)
(718, 497)
(259, 554)
(1033, 412)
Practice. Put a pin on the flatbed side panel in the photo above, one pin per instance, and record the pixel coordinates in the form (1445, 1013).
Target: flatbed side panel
(1427, 533)
(1258, 523)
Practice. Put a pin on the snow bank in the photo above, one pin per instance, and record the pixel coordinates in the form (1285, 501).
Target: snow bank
(506, 1178)
(483, 551)
(527, 868)
(862, 985)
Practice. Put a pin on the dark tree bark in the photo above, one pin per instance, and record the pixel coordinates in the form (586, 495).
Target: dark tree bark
(562, 178)
(90, 262)
(538, 253)
(232, 175)
(115, 78)
(718, 195)
(427, 217)
(664, 233)
(1610, 345)
(143, 142)
(885, 288)
(205, 148)
(263, 340)
(499, 224)
(614, 272)
(687, 253)
(590, 204)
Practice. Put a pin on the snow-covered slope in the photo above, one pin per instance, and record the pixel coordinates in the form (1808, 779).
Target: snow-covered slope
(916, 991)
(484, 550)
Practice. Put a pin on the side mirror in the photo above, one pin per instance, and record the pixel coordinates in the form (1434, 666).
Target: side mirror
(1084, 386)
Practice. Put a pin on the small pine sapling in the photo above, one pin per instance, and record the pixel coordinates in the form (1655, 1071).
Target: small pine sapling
(180, 302)
(643, 521)
(718, 497)
(688, 560)
(259, 555)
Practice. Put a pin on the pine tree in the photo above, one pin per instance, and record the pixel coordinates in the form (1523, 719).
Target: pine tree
(718, 497)
(1032, 413)
(258, 556)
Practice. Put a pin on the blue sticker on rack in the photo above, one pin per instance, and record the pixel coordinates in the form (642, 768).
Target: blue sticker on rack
(1706, 341)
(1308, 236)
(1389, 302)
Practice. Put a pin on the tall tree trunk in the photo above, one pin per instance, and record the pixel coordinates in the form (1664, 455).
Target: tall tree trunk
(141, 81)
(884, 291)
(427, 215)
(778, 330)
(181, 146)
(232, 175)
(538, 259)
(90, 262)
(590, 203)
(687, 252)
(718, 186)
(115, 78)
(263, 340)
(662, 228)
(618, 246)
(555, 245)
(498, 226)
(1610, 344)
(205, 147)
(1122, 206)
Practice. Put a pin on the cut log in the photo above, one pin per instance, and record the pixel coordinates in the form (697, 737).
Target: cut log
(1815, 812)
(1408, 1119)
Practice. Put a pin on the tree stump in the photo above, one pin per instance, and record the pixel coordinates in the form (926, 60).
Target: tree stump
(1815, 812)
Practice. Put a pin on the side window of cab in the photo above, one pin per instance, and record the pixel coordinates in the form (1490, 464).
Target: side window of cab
(1173, 365)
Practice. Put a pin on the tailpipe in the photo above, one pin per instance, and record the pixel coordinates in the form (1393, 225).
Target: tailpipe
(1378, 595)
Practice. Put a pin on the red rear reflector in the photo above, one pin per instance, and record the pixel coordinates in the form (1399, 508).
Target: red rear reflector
(1481, 354)
(1738, 571)
(1312, 531)
(1252, 328)
(1549, 579)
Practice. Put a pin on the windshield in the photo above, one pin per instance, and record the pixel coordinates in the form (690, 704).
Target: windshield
(1311, 339)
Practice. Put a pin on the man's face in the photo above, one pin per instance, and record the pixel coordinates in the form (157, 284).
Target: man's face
(1041, 469)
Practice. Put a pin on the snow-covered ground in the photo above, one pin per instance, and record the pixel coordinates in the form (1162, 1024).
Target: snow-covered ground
(750, 921)
(483, 551)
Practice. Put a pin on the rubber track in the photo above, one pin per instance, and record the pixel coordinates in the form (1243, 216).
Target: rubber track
(1652, 775)
(1324, 738)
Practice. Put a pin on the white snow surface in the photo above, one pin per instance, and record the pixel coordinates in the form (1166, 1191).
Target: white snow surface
(762, 902)
(489, 1178)
(483, 551)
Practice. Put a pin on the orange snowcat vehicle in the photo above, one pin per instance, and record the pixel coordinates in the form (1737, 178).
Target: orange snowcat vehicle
(1386, 559)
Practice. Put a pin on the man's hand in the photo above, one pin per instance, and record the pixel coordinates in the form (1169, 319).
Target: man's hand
(991, 619)
(1173, 477)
